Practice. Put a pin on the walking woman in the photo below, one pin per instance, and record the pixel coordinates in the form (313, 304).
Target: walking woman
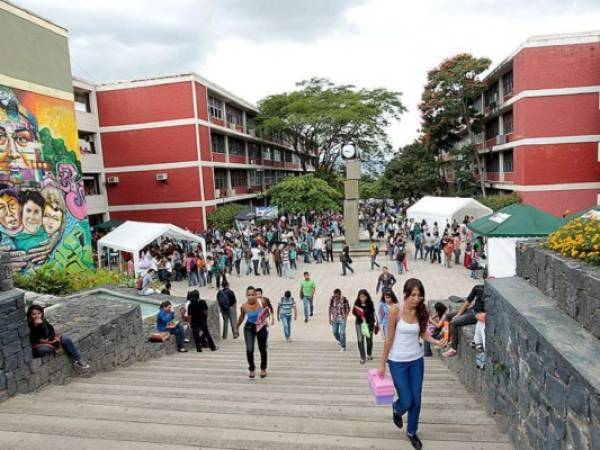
(388, 298)
(404, 355)
(255, 329)
(198, 313)
(364, 312)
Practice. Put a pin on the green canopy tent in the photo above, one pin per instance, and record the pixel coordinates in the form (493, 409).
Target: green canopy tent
(108, 225)
(505, 227)
(594, 210)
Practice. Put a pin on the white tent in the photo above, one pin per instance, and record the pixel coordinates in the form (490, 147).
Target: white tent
(445, 209)
(133, 236)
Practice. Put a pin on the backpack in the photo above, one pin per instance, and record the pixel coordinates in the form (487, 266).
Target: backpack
(138, 283)
(223, 300)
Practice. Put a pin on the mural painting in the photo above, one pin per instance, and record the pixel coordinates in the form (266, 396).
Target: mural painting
(43, 215)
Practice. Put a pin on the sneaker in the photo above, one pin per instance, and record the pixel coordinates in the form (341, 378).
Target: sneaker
(370, 358)
(343, 349)
(81, 364)
(362, 361)
(415, 441)
(449, 353)
(216, 349)
(187, 341)
(305, 320)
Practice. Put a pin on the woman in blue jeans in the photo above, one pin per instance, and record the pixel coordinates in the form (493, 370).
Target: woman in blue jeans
(45, 341)
(403, 353)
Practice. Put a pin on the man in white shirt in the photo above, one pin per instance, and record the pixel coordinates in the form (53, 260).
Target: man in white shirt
(255, 259)
(319, 249)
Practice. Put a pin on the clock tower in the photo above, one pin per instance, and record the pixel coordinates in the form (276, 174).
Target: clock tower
(351, 194)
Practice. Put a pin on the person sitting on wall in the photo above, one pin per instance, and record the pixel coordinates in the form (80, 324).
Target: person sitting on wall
(165, 323)
(466, 315)
(45, 341)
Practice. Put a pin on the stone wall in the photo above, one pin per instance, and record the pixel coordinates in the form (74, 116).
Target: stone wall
(542, 375)
(574, 285)
(16, 363)
(108, 333)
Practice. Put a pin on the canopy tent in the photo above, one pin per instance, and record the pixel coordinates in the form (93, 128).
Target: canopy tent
(133, 236)
(256, 212)
(505, 227)
(446, 209)
(588, 213)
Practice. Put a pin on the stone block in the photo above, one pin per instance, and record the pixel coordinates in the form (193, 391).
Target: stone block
(577, 398)
(555, 394)
(578, 433)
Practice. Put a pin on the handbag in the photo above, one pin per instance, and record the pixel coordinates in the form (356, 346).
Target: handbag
(376, 329)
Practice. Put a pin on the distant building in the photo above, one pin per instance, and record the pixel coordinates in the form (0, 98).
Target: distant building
(171, 149)
(542, 123)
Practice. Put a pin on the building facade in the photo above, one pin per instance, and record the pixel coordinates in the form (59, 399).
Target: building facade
(172, 149)
(542, 123)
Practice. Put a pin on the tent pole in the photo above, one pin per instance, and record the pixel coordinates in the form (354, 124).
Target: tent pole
(99, 254)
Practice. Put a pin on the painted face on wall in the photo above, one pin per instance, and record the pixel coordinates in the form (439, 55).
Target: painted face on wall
(18, 150)
(52, 220)
(10, 214)
(32, 217)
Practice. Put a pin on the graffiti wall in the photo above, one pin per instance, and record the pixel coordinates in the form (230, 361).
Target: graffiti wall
(43, 215)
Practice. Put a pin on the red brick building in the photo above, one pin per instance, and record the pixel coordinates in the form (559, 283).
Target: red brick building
(176, 147)
(542, 123)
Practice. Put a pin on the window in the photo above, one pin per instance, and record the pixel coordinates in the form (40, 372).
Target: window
(215, 107)
(507, 120)
(491, 95)
(492, 162)
(507, 165)
(277, 155)
(492, 128)
(507, 83)
(267, 153)
(87, 144)
(288, 157)
(91, 184)
(82, 101)
(218, 143)
(236, 147)
(269, 177)
(255, 178)
(239, 178)
(220, 179)
(234, 115)
(253, 150)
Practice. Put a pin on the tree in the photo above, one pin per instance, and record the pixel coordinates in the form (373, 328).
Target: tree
(320, 117)
(500, 201)
(412, 174)
(296, 195)
(448, 107)
(224, 216)
(370, 187)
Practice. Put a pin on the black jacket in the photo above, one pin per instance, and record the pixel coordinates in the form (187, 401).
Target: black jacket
(39, 332)
(198, 312)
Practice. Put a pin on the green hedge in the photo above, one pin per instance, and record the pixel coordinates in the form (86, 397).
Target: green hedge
(52, 279)
(500, 201)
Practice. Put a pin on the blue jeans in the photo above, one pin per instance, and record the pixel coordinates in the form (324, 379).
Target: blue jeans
(400, 266)
(286, 321)
(307, 257)
(339, 331)
(179, 333)
(319, 256)
(374, 262)
(202, 278)
(66, 343)
(307, 303)
(192, 278)
(345, 266)
(408, 381)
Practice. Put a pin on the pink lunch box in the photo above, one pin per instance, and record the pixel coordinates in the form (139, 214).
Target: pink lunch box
(382, 388)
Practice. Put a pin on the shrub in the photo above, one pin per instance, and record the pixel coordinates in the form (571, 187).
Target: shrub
(580, 238)
(224, 216)
(54, 280)
(497, 202)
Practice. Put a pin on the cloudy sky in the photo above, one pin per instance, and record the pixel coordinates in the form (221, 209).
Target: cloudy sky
(259, 47)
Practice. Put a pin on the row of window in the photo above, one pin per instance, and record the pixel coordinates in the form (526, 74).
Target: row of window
(493, 92)
(492, 162)
(255, 151)
(239, 177)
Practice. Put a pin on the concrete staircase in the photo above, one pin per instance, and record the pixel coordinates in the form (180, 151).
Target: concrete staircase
(314, 398)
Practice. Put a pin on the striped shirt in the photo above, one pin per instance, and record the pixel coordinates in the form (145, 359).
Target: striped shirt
(286, 304)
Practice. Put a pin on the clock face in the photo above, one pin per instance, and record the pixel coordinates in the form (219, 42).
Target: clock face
(348, 151)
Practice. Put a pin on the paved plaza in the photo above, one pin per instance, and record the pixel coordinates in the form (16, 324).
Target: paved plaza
(439, 282)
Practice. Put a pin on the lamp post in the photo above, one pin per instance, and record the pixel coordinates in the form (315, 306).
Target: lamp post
(351, 195)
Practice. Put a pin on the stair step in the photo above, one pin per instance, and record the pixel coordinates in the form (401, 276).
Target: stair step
(199, 435)
(259, 422)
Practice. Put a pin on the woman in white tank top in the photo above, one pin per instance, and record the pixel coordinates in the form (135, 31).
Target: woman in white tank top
(407, 322)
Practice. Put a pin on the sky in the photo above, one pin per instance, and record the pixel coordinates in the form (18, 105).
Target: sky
(255, 48)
